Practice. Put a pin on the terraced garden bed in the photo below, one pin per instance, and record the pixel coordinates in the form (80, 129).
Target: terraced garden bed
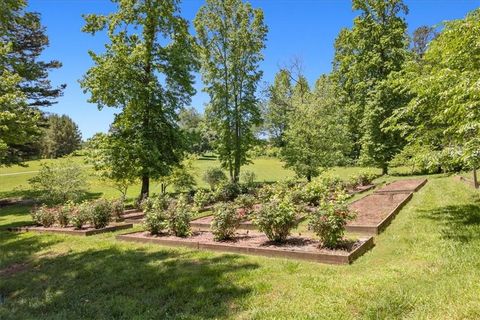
(406, 186)
(254, 243)
(85, 231)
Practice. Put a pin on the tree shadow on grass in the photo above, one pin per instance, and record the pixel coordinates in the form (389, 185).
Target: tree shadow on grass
(131, 283)
(20, 213)
(460, 222)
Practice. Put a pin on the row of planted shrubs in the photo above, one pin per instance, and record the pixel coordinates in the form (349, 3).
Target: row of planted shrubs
(97, 213)
(279, 207)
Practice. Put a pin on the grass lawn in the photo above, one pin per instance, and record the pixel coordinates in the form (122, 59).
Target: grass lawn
(14, 180)
(425, 265)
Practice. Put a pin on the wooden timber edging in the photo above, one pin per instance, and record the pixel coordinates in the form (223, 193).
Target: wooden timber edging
(418, 187)
(71, 231)
(321, 257)
(376, 229)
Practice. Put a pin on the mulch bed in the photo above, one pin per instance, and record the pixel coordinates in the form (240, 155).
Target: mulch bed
(203, 223)
(361, 189)
(85, 231)
(255, 243)
(132, 216)
(405, 186)
(375, 211)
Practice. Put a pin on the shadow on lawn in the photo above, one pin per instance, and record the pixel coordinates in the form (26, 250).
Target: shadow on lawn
(126, 284)
(461, 222)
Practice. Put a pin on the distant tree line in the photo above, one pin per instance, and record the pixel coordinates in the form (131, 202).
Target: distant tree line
(391, 98)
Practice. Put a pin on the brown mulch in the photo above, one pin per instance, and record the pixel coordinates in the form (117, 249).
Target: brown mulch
(258, 240)
(410, 185)
(373, 208)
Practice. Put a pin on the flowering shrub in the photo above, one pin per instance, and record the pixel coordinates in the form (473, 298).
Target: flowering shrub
(44, 216)
(214, 176)
(118, 207)
(248, 178)
(365, 178)
(155, 210)
(316, 191)
(202, 198)
(80, 215)
(100, 213)
(329, 220)
(63, 214)
(227, 191)
(225, 222)
(276, 219)
(246, 202)
(178, 218)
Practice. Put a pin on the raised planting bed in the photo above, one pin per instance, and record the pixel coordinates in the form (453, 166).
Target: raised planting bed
(376, 211)
(133, 216)
(203, 223)
(361, 189)
(85, 231)
(403, 186)
(257, 244)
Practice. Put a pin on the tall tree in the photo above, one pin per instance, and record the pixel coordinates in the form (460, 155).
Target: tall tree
(146, 70)
(231, 36)
(316, 137)
(444, 110)
(422, 36)
(61, 138)
(22, 40)
(365, 55)
(279, 106)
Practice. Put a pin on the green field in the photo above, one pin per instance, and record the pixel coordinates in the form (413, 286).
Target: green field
(14, 180)
(426, 265)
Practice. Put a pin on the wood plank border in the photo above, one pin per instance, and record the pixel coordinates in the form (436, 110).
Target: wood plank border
(81, 232)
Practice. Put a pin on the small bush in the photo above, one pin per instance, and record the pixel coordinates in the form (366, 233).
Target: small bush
(155, 209)
(329, 220)
(225, 222)
(365, 178)
(276, 219)
(202, 198)
(227, 191)
(248, 178)
(246, 202)
(178, 218)
(44, 216)
(316, 191)
(214, 176)
(80, 215)
(100, 213)
(60, 183)
(64, 213)
(118, 206)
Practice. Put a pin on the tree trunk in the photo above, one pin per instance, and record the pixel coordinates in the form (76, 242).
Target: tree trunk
(145, 188)
(385, 170)
(475, 178)
(309, 177)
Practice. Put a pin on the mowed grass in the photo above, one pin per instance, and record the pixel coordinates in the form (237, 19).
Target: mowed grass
(14, 180)
(426, 265)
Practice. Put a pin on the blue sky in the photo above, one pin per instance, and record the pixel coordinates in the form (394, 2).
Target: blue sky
(297, 28)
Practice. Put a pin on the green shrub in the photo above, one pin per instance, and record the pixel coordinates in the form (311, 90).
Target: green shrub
(63, 214)
(225, 222)
(329, 220)
(214, 176)
(44, 216)
(118, 207)
(155, 209)
(246, 202)
(276, 219)
(178, 218)
(202, 198)
(248, 178)
(100, 213)
(80, 215)
(60, 183)
(316, 191)
(365, 178)
(226, 191)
